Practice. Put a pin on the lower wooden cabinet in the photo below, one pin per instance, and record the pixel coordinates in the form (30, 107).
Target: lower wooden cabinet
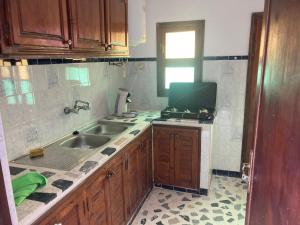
(138, 166)
(132, 180)
(113, 193)
(163, 145)
(116, 182)
(177, 156)
(71, 212)
(145, 164)
(97, 194)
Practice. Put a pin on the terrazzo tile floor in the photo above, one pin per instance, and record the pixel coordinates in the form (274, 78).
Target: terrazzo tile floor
(225, 204)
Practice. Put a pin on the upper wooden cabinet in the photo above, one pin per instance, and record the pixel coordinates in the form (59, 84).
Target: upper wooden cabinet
(68, 27)
(117, 27)
(88, 24)
(35, 23)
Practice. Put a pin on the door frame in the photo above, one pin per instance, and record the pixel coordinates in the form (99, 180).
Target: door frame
(252, 89)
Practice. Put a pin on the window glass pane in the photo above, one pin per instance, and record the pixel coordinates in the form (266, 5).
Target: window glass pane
(180, 45)
(178, 74)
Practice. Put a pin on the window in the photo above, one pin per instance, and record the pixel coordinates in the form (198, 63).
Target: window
(179, 53)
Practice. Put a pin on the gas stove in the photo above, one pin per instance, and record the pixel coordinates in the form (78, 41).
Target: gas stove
(195, 101)
(202, 114)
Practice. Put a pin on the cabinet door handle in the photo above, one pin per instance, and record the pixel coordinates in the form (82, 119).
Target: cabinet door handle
(126, 163)
(110, 174)
(84, 206)
(141, 146)
(108, 47)
(88, 205)
(68, 42)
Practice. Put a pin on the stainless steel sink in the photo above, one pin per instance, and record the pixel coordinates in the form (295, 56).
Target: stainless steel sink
(84, 141)
(69, 151)
(106, 129)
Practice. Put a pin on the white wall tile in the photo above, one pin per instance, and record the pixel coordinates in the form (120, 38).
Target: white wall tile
(38, 119)
(230, 77)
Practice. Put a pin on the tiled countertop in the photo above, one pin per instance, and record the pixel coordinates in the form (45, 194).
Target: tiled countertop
(30, 210)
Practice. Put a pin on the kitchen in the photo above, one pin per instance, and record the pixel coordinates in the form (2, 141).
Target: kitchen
(99, 125)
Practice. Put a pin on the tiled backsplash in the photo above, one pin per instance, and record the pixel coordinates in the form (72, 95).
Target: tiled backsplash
(230, 75)
(33, 98)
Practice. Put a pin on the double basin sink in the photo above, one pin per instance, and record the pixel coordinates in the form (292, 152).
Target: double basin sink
(68, 152)
(94, 136)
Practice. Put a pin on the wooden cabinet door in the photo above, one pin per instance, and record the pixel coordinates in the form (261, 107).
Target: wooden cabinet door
(117, 27)
(116, 187)
(145, 164)
(72, 212)
(132, 178)
(186, 158)
(98, 200)
(163, 152)
(36, 23)
(88, 26)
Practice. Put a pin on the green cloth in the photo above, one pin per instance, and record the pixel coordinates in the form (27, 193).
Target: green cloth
(25, 185)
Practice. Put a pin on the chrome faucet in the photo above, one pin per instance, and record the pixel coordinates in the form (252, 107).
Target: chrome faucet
(78, 106)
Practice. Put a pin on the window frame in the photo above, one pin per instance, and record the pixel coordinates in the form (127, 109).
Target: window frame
(197, 62)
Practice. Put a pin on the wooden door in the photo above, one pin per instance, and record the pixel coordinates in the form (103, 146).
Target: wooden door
(186, 158)
(117, 27)
(132, 178)
(145, 164)
(98, 203)
(88, 26)
(163, 141)
(116, 189)
(275, 198)
(36, 23)
(252, 90)
(72, 211)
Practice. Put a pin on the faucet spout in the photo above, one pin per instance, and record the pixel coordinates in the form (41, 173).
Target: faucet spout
(79, 104)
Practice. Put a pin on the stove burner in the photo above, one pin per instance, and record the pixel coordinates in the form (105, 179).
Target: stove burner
(202, 114)
(203, 110)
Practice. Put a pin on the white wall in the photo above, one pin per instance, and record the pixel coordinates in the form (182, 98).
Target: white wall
(227, 29)
(227, 23)
(32, 99)
(230, 76)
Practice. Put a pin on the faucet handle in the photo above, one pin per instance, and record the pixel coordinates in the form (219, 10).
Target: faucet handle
(87, 106)
(68, 110)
